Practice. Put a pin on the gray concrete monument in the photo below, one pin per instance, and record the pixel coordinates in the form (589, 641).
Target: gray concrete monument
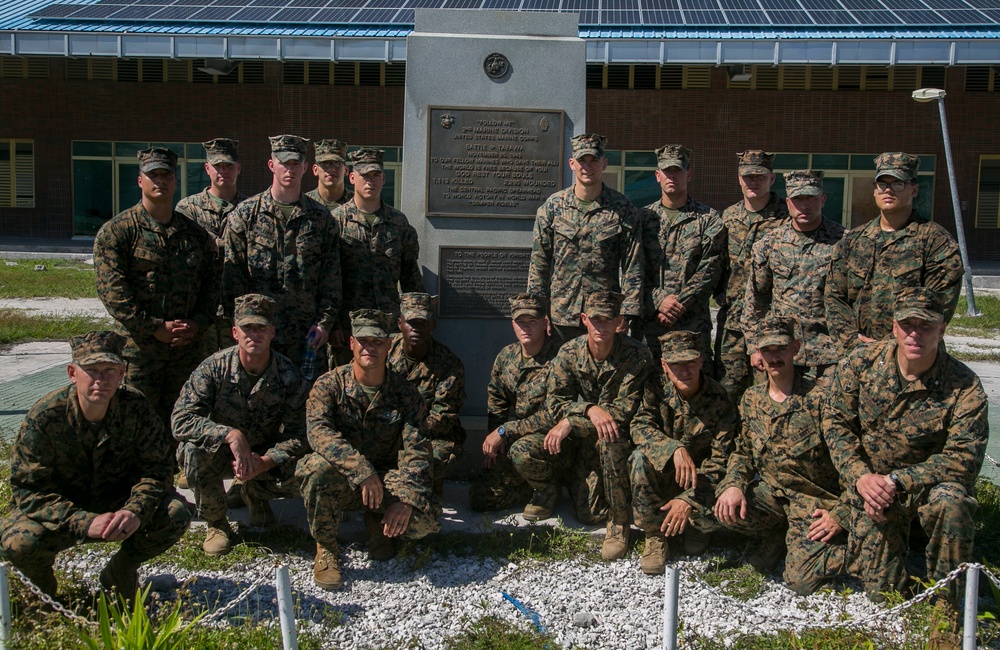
(492, 100)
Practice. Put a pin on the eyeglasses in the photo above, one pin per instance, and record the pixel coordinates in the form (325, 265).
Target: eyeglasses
(897, 186)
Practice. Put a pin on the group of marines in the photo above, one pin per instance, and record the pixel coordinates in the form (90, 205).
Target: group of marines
(852, 419)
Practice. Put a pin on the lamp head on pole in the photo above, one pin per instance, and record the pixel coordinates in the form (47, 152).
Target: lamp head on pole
(928, 94)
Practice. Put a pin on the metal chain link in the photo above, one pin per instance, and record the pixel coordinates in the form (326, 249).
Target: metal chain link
(992, 460)
(219, 613)
(45, 598)
(862, 622)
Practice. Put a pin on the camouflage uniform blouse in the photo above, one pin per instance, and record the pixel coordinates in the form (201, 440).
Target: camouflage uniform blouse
(787, 277)
(148, 273)
(376, 258)
(516, 392)
(271, 416)
(348, 195)
(64, 472)
(209, 214)
(684, 258)
(929, 431)
(577, 252)
(869, 268)
(783, 442)
(295, 261)
(743, 230)
(615, 384)
(705, 426)
(440, 378)
(383, 436)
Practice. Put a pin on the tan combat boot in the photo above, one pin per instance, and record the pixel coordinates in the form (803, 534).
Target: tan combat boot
(380, 547)
(326, 567)
(654, 554)
(218, 538)
(615, 541)
(542, 503)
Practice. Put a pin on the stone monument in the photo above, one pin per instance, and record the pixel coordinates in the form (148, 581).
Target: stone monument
(492, 100)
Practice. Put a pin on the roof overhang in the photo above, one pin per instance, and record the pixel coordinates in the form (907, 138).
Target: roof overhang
(922, 48)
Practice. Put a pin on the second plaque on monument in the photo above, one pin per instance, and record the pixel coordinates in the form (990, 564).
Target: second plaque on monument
(492, 163)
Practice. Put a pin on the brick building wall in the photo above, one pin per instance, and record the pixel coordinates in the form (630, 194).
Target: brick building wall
(716, 123)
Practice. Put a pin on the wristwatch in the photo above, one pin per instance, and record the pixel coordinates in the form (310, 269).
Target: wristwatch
(502, 431)
(899, 484)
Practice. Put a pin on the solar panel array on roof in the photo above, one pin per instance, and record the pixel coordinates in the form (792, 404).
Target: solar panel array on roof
(593, 13)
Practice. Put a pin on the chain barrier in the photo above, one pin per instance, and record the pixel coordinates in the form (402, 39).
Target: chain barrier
(244, 595)
(992, 460)
(47, 599)
(862, 622)
(80, 620)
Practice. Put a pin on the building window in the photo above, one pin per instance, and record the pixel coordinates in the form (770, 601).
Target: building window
(848, 183)
(842, 77)
(105, 173)
(17, 173)
(988, 202)
(160, 71)
(648, 77)
(633, 174)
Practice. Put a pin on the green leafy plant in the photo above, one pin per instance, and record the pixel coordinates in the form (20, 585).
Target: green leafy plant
(121, 627)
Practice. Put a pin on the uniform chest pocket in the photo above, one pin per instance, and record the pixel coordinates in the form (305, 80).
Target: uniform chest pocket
(148, 259)
(565, 228)
(265, 239)
(869, 411)
(906, 269)
(782, 271)
(609, 233)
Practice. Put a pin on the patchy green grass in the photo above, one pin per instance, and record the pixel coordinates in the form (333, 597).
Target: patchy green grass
(986, 325)
(741, 582)
(60, 279)
(491, 633)
(17, 327)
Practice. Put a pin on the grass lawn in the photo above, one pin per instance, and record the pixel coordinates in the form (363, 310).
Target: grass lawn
(60, 279)
(17, 327)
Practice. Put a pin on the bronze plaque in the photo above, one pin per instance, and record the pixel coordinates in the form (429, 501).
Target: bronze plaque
(477, 282)
(492, 163)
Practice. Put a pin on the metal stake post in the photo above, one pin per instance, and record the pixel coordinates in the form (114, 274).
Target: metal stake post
(289, 639)
(5, 618)
(671, 581)
(971, 608)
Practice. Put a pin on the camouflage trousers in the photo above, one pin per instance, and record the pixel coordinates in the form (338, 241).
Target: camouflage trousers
(218, 336)
(446, 454)
(595, 471)
(878, 550)
(652, 489)
(159, 373)
(326, 492)
(32, 547)
(808, 564)
(205, 472)
(498, 487)
(732, 363)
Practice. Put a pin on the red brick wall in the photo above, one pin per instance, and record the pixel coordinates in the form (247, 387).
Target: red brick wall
(714, 123)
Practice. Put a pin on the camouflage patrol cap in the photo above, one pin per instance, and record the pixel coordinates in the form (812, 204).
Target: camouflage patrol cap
(680, 346)
(367, 160)
(415, 305)
(603, 303)
(917, 302)
(897, 164)
(527, 304)
(805, 182)
(157, 158)
(775, 330)
(253, 309)
(369, 323)
(222, 150)
(673, 155)
(289, 147)
(97, 347)
(588, 144)
(755, 161)
(331, 151)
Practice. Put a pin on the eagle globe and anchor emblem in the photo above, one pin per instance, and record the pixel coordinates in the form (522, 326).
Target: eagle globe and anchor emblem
(496, 65)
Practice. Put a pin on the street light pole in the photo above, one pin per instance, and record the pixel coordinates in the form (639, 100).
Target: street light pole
(929, 95)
